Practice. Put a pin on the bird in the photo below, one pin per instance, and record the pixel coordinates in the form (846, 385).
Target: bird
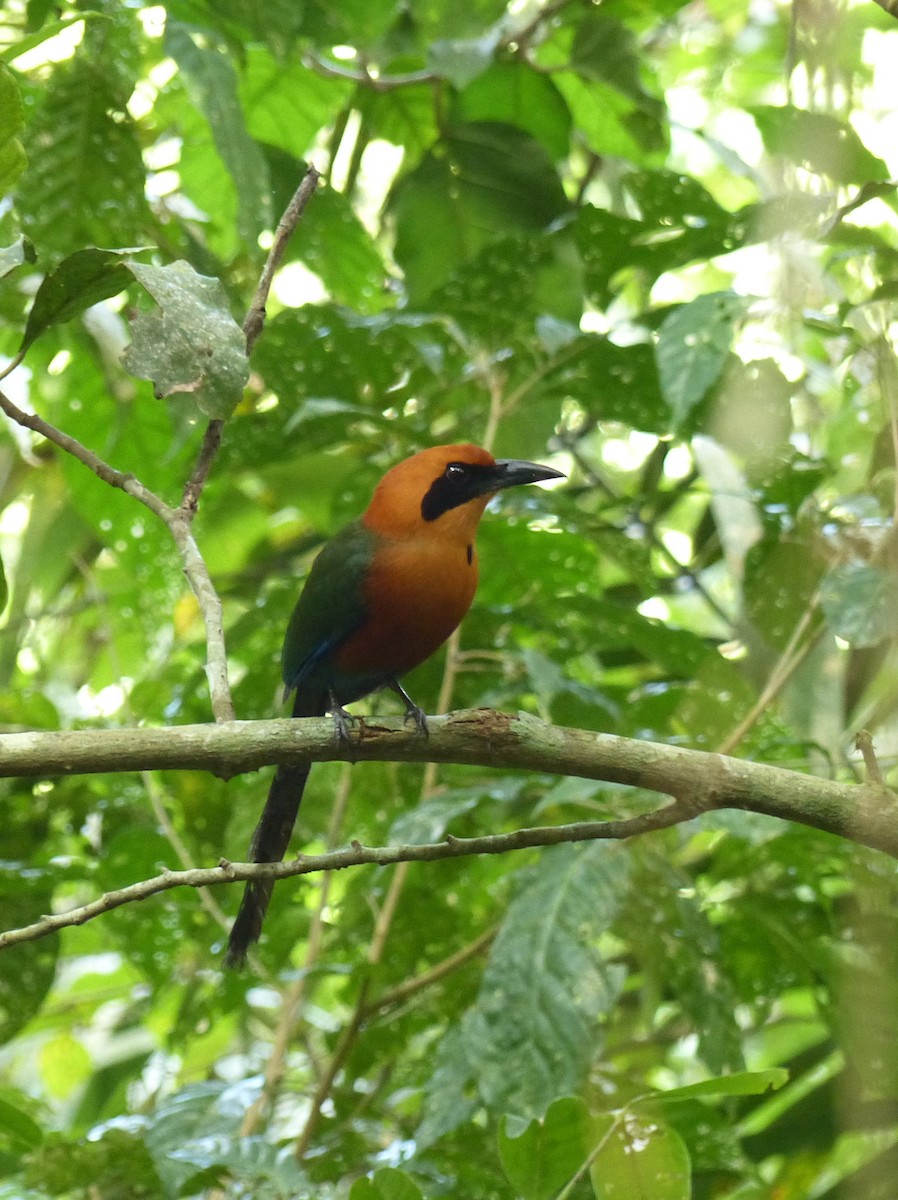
(382, 596)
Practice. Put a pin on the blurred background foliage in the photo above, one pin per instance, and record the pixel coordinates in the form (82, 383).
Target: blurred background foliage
(652, 244)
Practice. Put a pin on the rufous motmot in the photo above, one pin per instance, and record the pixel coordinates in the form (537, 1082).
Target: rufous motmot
(382, 596)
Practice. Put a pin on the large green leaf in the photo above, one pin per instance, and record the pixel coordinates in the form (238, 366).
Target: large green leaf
(209, 73)
(12, 153)
(533, 1030)
(480, 181)
(26, 970)
(356, 276)
(860, 601)
(192, 344)
(541, 1156)
(385, 1184)
(819, 141)
(693, 345)
(515, 95)
(84, 278)
(284, 103)
(87, 185)
(641, 1159)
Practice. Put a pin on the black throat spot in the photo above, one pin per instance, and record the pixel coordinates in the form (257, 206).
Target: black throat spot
(470, 553)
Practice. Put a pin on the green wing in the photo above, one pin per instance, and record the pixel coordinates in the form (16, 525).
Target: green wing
(331, 605)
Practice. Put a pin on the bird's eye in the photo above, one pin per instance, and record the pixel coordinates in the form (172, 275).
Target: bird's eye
(455, 471)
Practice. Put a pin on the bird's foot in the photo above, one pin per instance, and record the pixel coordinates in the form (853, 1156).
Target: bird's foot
(343, 721)
(411, 709)
(416, 714)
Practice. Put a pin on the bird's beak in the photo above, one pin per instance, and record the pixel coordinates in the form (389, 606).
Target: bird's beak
(510, 472)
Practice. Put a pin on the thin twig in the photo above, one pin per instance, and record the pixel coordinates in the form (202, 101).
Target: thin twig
(255, 317)
(252, 327)
(664, 817)
(404, 991)
(117, 479)
(788, 663)
(864, 743)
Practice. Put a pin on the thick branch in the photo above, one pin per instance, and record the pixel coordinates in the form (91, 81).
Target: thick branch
(866, 814)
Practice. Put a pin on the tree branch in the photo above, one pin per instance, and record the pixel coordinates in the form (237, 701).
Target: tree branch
(353, 856)
(698, 781)
(93, 462)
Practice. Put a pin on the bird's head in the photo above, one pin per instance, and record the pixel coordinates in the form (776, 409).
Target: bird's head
(444, 490)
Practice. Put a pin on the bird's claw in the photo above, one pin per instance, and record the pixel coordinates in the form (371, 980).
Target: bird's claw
(342, 722)
(417, 715)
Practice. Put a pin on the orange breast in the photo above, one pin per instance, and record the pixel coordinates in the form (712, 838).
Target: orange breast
(417, 591)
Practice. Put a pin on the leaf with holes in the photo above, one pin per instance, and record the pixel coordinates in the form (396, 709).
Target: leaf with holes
(192, 343)
(641, 1159)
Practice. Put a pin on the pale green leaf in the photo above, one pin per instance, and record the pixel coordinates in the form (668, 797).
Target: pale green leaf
(641, 1159)
(192, 343)
(741, 1083)
(213, 81)
(692, 348)
(12, 153)
(385, 1184)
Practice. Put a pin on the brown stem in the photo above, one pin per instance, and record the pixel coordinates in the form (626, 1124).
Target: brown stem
(252, 327)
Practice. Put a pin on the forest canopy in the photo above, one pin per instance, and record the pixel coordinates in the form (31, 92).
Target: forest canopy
(251, 257)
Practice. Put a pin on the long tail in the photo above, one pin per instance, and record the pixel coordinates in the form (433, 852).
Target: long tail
(271, 839)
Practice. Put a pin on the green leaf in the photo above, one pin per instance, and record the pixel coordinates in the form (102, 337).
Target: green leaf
(87, 187)
(403, 116)
(193, 344)
(447, 1102)
(12, 153)
(860, 602)
(539, 1157)
(356, 275)
(17, 1127)
(213, 82)
(693, 345)
(481, 181)
(4, 587)
(30, 41)
(462, 60)
(822, 143)
(84, 278)
(782, 575)
(641, 1159)
(115, 1164)
(516, 95)
(605, 49)
(386, 1184)
(284, 103)
(27, 969)
(741, 1083)
(534, 1027)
